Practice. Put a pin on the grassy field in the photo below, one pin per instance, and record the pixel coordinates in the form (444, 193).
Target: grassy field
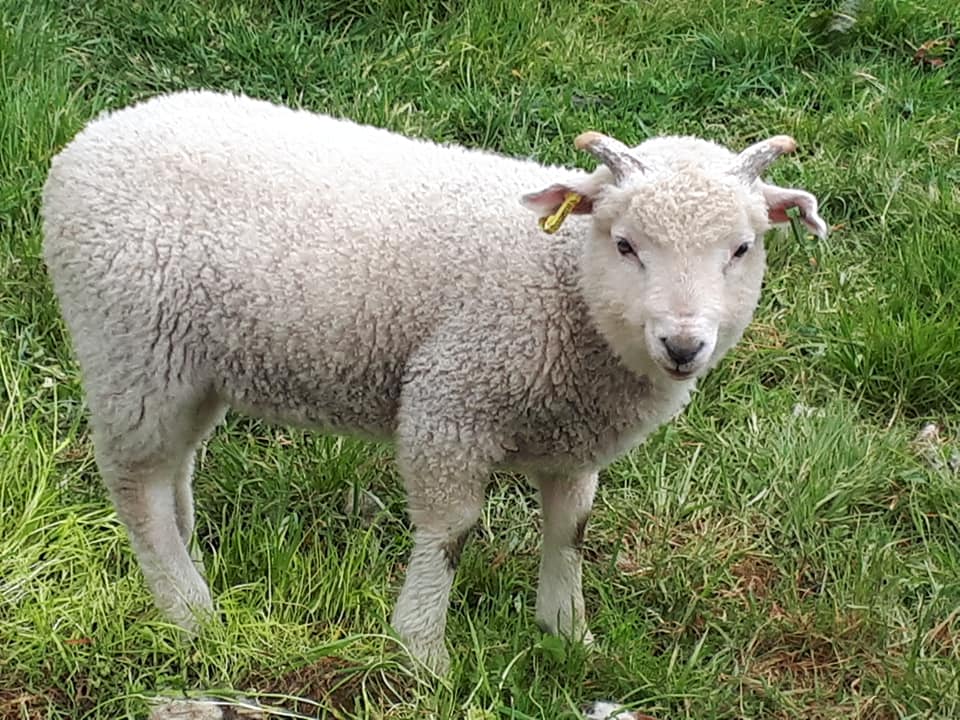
(782, 550)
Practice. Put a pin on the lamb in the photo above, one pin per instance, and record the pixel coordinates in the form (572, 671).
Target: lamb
(213, 251)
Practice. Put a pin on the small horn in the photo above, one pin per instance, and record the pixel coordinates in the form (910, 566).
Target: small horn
(758, 157)
(611, 152)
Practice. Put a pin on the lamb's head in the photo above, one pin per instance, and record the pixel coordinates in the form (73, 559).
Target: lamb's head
(673, 268)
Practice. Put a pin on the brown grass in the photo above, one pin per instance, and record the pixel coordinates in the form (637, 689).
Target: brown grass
(20, 702)
(333, 685)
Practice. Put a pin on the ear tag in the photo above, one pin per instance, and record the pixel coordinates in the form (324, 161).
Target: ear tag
(551, 223)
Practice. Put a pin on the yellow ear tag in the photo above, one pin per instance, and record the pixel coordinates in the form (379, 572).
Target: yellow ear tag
(551, 223)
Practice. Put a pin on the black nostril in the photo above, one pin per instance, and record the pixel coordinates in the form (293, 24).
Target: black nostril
(684, 351)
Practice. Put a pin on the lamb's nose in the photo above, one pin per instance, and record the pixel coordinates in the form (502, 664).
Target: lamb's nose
(683, 350)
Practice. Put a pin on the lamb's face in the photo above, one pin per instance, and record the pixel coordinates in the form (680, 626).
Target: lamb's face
(673, 269)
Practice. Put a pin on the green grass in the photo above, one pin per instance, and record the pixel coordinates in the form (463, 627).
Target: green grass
(777, 552)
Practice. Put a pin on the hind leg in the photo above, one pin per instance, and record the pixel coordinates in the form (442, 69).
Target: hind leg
(145, 500)
(183, 507)
(207, 416)
(146, 468)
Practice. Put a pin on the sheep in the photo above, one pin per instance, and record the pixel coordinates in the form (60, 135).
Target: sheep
(212, 251)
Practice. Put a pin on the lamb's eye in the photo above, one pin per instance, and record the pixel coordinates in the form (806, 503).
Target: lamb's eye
(624, 247)
(742, 250)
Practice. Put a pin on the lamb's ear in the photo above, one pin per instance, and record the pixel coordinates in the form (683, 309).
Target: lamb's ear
(548, 201)
(578, 196)
(779, 200)
(749, 166)
(554, 203)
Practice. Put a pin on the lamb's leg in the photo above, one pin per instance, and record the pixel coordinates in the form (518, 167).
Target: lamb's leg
(146, 502)
(566, 507)
(207, 415)
(420, 615)
(183, 507)
(146, 467)
(445, 473)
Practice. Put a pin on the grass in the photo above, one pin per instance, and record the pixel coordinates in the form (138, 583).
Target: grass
(779, 551)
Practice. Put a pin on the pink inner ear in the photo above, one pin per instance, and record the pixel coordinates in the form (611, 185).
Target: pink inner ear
(779, 200)
(778, 214)
(547, 201)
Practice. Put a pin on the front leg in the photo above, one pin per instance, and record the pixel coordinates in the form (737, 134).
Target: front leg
(420, 615)
(566, 502)
(445, 472)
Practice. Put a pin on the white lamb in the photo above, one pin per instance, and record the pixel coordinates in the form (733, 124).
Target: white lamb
(213, 251)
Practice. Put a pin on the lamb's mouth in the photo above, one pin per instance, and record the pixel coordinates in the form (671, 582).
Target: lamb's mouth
(677, 374)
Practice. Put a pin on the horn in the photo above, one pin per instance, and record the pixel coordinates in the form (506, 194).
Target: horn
(751, 163)
(611, 152)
